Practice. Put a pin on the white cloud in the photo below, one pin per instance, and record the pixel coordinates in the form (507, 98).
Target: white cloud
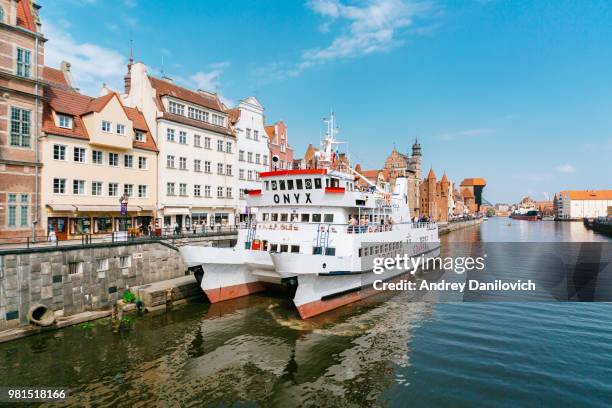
(566, 168)
(363, 27)
(467, 133)
(209, 80)
(92, 64)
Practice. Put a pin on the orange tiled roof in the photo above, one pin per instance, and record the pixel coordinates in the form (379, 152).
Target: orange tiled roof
(234, 115)
(76, 105)
(589, 194)
(55, 77)
(163, 88)
(270, 130)
(25, 18)
(431, 174)
(477, 181)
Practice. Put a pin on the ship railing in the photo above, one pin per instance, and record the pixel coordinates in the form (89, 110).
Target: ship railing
(331, 227)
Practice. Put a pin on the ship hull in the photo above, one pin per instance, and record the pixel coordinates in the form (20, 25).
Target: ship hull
(227, 273)
(524, 217)
(320, 292)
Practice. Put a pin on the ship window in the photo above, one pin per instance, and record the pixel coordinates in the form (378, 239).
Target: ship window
(366, 251)
(273, 247)
(305, 217)
(265, 216)
(284, 217)
(274, 185)
(265, 245)
(284, 248)
(330, 251)
(281, 184)
(316, 250)
(274, 217)
(289, 184)
(298, 184)
(328, 218)
(294, 217)
(316, 217)
(267, 183)
(317, 182)
(308, 184)
(295, 249)
(326, 182)
(360, 252)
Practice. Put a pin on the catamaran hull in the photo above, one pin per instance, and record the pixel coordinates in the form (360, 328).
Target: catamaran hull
(321, 292)
(225, 272)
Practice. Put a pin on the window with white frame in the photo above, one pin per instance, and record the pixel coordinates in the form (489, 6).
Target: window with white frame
(170, 135)
(113, 159)
(257, 158)
(207, 165)
(197, 140)
(250, 157)
(241, 174)
(228, 169)
(240, 155)
(248, 133)
(96, 157)
(219, 168)
(120, 129)
(218, 120)
(64, 121)
(59, 186)
(59, 152)
(255, 135)
(219, 192)
(102, 265)
(250, 175)
(128, 161)
(106, 126)
(139, 136)
(170, 161)
(219, 145)
(113, 189)
(96, 188)
(228, 192)
(128, 190)
(79, 154)
(241, 194)
(197, 114)
(282, 147)
(196, 190)
(197, 165)
(24, 62)
(78, 187)
(228, 147)
(265, 159)
(182, 137)
(183, 189)
(207, 142)
(183, 163)
(142, 191)
(18, 210)
(207, 192)
(20, 127)
(176, 108)
(142, 163)
(170, 189)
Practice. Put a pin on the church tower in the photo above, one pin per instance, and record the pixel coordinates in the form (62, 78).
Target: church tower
(416, 158)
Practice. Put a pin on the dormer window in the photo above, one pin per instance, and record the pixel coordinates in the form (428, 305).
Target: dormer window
(139, 136)
(176, 108)
(218, 120)
(106, 126)
(64, 121)
(120, 129)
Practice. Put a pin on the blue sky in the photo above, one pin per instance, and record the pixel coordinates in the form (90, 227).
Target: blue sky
(517, 92)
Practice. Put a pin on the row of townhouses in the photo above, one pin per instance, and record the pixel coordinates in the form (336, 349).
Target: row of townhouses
(153, 154)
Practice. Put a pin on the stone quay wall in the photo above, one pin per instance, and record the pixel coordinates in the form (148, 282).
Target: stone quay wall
(74, 280)
(445, 228)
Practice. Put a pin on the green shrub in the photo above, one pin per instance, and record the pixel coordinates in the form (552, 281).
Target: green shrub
(129, 297)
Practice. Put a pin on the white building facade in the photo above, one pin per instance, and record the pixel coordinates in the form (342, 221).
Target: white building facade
(197, 168)
(578, 204)
(253, 151)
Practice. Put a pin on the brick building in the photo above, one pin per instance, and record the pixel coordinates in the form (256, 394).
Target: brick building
(436, 197)
(400, 164)
(21, 90)
(279, 146)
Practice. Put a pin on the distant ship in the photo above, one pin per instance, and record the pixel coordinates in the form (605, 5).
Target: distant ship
(527, 215)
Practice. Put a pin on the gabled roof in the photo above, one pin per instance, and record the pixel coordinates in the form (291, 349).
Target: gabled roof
(233, 115)
(55, 77)
(76, 105)
(25, 18)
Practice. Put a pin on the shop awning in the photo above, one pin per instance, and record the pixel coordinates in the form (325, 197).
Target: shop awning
(62, 207)
(176, 210)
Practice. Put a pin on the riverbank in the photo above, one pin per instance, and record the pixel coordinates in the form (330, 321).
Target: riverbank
(445, 228)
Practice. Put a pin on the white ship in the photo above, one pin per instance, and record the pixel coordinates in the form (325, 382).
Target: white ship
(317, 234)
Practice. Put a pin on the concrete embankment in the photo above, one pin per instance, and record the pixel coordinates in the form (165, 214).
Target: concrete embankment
(80, 283)
(445, 228)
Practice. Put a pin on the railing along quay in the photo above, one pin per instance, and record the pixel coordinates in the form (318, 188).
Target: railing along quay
(18, 243)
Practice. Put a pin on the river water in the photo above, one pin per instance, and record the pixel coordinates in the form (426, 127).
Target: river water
(391, 350)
